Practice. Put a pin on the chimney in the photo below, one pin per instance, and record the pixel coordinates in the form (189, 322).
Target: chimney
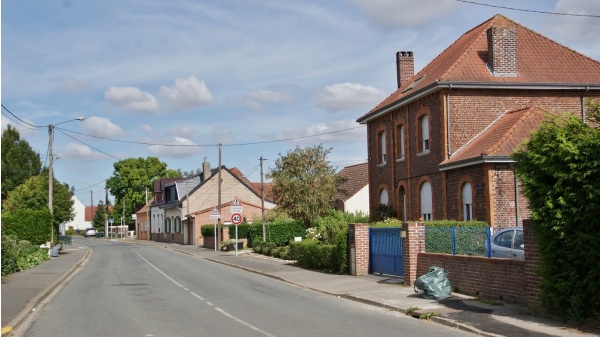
(405, 66)
(502, 50)
(205, 170)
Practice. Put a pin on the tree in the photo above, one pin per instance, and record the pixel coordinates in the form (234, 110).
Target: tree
(559, 169)
(304, 185)
(33, 195)
(131, 177)
(19, 161)
(99, 220)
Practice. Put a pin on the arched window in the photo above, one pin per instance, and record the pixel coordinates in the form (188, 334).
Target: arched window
(400, 133)
(383, 197)
(426, 202)
(467, 202)
(424, 133)
(381, 148)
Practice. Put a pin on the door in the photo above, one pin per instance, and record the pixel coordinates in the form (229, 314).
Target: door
(385, 251)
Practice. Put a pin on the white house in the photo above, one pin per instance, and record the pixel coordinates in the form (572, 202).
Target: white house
(78, 221)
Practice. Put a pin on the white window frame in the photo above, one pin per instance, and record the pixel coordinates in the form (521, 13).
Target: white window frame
(383, 197)
(401, 142)
(425, 133)
(426, 202)
(467, 201)
(382, 148)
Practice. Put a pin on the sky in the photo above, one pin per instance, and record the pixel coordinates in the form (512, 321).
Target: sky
(173, 79)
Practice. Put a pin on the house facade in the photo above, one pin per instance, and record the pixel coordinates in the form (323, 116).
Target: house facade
(79, 221)
(205, 197)
(440, 145)
(353, 195)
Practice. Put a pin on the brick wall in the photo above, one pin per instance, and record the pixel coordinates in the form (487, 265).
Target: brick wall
(508, 280)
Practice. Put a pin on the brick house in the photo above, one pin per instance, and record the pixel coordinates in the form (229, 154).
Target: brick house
(440, 145)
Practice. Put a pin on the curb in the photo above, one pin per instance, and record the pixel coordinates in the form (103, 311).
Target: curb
(42, 296)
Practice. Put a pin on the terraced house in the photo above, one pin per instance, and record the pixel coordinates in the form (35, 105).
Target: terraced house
(440, 145)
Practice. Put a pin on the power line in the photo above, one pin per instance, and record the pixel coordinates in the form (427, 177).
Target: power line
(15, 116)
(530, 10)
(63, 132)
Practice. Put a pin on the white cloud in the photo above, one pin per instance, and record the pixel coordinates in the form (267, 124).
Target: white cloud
(181, 151)
(345, 131)
(583, 30)
(187, 93)
(79, 152)
(259, 99)
(102, 127)
(73, 84)
(394, 14)
(132, 98)
(348, 96)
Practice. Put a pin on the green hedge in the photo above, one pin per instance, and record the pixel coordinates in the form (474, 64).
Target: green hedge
(207, 230)
(243, 231)
(278, 232)
(313, 254)
(30, 225)
(470, 237)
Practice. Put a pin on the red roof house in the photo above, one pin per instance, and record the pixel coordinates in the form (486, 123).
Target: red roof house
(440, 144)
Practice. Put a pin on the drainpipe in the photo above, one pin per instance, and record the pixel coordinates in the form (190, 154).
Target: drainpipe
(516, 179)
(583, 103)
(448, 120)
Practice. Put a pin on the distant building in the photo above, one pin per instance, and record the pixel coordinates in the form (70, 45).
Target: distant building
(353, 195)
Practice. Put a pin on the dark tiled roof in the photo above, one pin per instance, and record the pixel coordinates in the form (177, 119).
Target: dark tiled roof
(539, 61)
(501, 138)
(357, 177)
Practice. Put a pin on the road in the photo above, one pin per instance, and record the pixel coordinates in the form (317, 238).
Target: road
(137, 290)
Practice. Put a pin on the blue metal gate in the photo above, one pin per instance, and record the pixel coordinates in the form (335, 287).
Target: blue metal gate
(385, 251)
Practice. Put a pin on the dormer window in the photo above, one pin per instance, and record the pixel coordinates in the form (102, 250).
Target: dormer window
(414, 84)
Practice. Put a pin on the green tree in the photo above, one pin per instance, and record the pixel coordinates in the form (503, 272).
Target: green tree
(131, 177)
(559, 170)
(33, 195)
(99, 220)
(19, 161)
(304, 184)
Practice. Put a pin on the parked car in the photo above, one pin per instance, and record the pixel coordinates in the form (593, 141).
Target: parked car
(89, 232)
(508, 243)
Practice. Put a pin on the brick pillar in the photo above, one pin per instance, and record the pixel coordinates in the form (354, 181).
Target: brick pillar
(532, 263)
(358, 246)
(412, 244)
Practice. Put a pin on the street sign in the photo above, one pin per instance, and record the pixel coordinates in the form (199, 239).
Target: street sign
(214, 214)
(236, 206)
(236, 219)
(111, 220)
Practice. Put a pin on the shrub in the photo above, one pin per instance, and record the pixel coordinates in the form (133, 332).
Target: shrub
(315, 255)
(207, 230)
(280, 233)
(30, 225)
(20, 255)
(243, 231)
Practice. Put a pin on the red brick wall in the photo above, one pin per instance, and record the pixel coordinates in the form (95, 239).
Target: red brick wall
(532, 263)
(360, 247)
(501, 279)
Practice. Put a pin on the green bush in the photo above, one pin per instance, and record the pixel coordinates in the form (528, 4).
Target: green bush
(243, 231)
(278, 232)
(31, 225)
(20, 255)
(387, 223)
(336, 221)
(316, 255)
(207, 230)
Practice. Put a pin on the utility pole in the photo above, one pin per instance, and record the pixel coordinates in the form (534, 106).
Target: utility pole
(147, 217)
(220, 227)
(92, 201)
(262, 199)
(50, 178)
(106, 220)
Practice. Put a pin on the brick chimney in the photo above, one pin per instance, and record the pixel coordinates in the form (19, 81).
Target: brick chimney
(405, 66)
(502, 50)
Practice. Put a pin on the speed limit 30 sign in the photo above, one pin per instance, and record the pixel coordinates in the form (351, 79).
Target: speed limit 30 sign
(236, 219)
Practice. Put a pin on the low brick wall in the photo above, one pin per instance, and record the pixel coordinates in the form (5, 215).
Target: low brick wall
(501, 279)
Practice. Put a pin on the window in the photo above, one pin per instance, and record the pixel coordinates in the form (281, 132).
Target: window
(467, 202)
(381, 147)
(383, 197)
(426, 202)
(425, 134)
(400, 133)
(504, 239)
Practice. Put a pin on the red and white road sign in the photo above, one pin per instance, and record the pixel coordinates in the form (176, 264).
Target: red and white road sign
(236, 219)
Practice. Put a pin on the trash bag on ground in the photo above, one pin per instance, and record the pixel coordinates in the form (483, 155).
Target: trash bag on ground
(435, 284)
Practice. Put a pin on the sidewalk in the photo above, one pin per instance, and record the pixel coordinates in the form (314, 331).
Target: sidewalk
(22, 292)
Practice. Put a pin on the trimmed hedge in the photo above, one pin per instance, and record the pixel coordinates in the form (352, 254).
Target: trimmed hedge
(20, 255)
(313, 254)
(207, 230)
(30, 225)
(278, 232)
(243, 230)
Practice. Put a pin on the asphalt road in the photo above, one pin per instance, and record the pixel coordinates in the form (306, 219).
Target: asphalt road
(134, 290)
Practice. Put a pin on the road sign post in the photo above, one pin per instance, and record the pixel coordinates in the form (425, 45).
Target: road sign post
(214, 214)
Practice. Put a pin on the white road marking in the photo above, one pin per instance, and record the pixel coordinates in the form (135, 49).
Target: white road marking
(202, 299)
